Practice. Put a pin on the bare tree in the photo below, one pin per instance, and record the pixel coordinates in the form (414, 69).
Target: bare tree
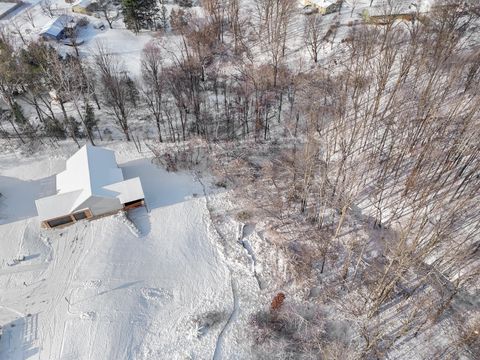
(216, 16)
(275, 19)
(153, 83)
(116, 92)
(235, 23)
(313, 35)
(63, 84)
(10, 81)
(353, 4)
(47, 8)
(18, 30)
(28, 16)
(109, 11)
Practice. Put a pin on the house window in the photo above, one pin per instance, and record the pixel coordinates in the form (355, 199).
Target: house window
(60, 221)
(133, 204)
(80, 215)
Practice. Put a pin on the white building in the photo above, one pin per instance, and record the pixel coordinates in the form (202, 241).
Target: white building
(92, 185)
(320, 5)
(84, 7)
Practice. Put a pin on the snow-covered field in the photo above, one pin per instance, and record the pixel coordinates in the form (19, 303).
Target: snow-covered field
(158, 286)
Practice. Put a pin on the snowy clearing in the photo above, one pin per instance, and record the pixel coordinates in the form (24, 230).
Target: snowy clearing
(112, 288)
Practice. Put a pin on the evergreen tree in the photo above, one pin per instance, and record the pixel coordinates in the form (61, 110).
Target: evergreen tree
(90, 120)
(164, 17)
(54, 128)
(185, 3)
(132, 90)
(139, 14)
(19, 117)
(74, 127)
(18, 114)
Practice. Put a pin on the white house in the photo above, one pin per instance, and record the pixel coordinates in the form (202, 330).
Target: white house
(85, 7)
(92, 185)
(320, 5)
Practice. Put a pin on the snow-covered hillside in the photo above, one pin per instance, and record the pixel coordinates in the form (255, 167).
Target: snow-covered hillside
(310, 176)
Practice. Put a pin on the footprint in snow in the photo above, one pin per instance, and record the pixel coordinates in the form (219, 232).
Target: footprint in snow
(156, 295)
(92, 284)
(90, 315)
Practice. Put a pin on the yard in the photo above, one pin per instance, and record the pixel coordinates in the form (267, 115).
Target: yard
(111, 288)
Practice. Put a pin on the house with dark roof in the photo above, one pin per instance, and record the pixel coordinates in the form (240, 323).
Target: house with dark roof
(58, 28)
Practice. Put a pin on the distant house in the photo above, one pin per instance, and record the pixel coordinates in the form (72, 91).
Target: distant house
(58, 28)
(6, 8)
(320, 5)
(386, 19)
(86, 7)
(91, 186)
(406, 11)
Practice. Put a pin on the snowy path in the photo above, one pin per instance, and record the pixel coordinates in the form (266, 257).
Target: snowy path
(218, 353)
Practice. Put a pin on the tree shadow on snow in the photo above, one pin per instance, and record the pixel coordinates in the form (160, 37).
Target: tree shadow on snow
(103, 292)
(162, 188)
(120, 287)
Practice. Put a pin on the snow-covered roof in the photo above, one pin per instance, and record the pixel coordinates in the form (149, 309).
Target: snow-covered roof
(91, 172)
(128, 190)
(84, 3)
(400, 7)
(89, 169)
(321, 3)
(57, 25)
(56, 205)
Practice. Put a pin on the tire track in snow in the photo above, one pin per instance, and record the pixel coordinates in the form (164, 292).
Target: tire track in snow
(217, 355)
(65, 249)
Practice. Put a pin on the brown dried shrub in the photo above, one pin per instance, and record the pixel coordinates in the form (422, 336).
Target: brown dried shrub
(277, 302)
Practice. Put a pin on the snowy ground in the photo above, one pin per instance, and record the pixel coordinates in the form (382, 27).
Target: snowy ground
(107, 289)
(6, 6)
